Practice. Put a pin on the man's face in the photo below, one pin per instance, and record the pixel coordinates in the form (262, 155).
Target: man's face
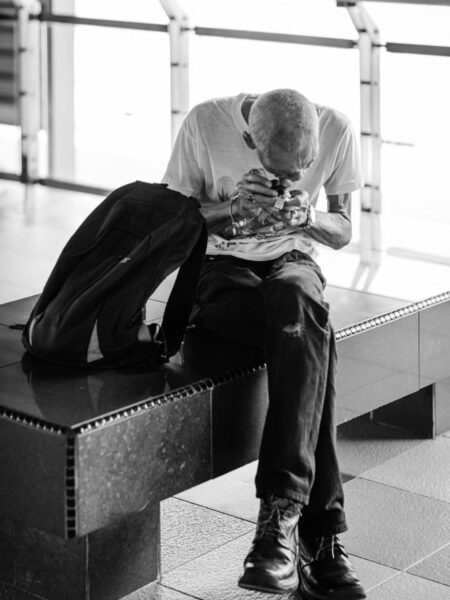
(283, 164)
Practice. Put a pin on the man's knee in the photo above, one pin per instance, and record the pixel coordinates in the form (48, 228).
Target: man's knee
(302, 287)
(292, 301)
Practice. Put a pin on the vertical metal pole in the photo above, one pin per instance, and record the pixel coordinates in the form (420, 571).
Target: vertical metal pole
(369, 55)
(60, 68)
(29, 87)
(179, 63)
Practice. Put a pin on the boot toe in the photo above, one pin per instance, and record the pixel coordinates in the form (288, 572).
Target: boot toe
(266, 581)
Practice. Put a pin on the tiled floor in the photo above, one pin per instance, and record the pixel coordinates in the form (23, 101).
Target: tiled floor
(398, 507)
(397, 488)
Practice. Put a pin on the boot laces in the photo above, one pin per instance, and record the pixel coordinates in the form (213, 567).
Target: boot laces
(271, 517)
(329, 544)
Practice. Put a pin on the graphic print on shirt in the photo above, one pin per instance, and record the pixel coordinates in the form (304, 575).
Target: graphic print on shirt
(248, 230)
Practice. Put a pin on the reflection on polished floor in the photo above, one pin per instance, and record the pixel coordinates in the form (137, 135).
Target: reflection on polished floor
(35, 223)
(397, 486)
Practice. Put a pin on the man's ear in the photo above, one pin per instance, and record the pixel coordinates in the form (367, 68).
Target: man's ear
(248, 140)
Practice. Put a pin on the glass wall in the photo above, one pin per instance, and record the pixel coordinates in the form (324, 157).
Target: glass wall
(121, 105)
(119, 86)
(415, 95)
(416, 200)
(411, 23)
(300, 17)
(10, 149)
(144, 11)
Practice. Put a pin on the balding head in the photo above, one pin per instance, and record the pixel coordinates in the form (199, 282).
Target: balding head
(285, 122)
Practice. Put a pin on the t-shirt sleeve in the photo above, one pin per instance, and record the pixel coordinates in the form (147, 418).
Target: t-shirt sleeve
(347, 173)
(183, 173)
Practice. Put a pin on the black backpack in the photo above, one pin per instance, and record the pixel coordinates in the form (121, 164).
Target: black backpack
(90, 311)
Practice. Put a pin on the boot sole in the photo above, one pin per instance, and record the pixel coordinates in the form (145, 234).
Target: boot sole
(262, 582)
(308, 593)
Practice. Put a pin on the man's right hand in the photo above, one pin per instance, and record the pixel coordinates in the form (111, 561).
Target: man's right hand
(254, 192)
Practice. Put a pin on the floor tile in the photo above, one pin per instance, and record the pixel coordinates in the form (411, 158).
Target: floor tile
(442, 406)
(393, 527)
(45, 218)
(423, 470)
(232, 494)
(363, 445)
(154, 310)
(214, 576)
(155, 591)
(436, 567)
(370, 573)
(162, 292)
(378, 272)
(408, 587)
(188, 531)
(18, 311)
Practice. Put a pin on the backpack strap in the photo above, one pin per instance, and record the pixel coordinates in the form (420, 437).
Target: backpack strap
(179, 303)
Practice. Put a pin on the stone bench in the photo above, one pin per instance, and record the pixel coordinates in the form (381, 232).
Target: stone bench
(86, 457)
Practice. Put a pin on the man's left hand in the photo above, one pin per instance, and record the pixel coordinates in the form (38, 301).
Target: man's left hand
(295, 210)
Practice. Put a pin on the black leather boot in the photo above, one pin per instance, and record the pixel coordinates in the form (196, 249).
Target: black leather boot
(326, 572)
(271, 564)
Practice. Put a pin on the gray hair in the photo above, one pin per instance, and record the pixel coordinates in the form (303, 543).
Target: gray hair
(285, 120)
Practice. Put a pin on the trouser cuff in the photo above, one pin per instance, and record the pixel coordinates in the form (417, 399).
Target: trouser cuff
(312, 531)
(283, 493)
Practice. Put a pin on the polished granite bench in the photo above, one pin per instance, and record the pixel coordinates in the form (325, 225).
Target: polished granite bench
(86, 457)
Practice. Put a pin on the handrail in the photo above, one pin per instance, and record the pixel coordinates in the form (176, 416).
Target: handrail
(424, 49)
(266, 36)
(71, 20)
(423, 2)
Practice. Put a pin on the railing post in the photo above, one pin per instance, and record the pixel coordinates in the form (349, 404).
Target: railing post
(369, 56)
(179, 63)
(29, 42)
(60, 74)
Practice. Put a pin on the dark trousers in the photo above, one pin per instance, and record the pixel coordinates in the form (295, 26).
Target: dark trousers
(278, 306)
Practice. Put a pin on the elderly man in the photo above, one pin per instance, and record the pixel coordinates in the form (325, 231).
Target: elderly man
(257, 164)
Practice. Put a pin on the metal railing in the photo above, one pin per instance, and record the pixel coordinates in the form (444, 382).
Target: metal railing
(179, 30)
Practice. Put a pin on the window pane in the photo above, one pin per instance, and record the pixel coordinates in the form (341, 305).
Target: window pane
(308, 17)
(121, 105)
(325, 75)
(415, 101)
(149, 11)
(415, 24)
(10, 149)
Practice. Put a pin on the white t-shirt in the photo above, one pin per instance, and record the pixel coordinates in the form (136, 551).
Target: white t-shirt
(210, 156)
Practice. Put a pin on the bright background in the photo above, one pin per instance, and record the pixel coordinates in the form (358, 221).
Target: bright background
(122, 95)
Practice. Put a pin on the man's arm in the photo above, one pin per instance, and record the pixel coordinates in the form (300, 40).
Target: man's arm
(217, 215)
(334, 228)
(253, 191)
